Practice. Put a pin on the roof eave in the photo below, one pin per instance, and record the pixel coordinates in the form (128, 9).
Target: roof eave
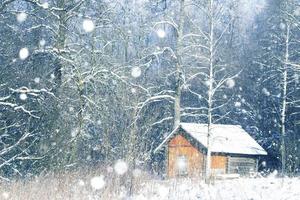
(166, 139)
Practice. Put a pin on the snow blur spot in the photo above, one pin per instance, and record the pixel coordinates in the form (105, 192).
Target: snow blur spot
(133, 90)
(181, 164)
(265, 92)
(74, 133)
(71, 108)
(37, 80)
(21, 17)
(136, 72)
(109, 169)
(81, 183)
(282, 26)
(137, 173)
(207, 83)
(237, 104)
(88, 25)
(297, 11)
(23, 96)
(45, 5)
(23, 53)
(97, 182)
(161, 33)
(120, 167)
(230, 83)
(52, 76)
(42, 42)
(89, 157)
(5, 195)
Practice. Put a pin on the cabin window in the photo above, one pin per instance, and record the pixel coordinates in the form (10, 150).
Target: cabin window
(182, 165)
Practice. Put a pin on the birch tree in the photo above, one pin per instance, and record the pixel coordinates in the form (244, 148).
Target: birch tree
(204, 46)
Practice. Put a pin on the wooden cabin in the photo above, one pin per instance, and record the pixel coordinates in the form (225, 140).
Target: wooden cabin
(234, 151)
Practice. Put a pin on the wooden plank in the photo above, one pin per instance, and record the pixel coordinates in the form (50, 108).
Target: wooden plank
(218, 162)
(179, 146)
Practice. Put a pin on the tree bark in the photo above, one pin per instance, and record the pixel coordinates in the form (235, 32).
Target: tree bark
(178, 84)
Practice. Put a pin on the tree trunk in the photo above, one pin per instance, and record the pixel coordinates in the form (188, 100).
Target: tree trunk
(210, 95)
(178, 84)
(284, 102)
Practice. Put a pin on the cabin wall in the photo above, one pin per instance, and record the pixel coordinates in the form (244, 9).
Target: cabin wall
(218, 164)
(242, 165)
(180, 149)
(179, 146)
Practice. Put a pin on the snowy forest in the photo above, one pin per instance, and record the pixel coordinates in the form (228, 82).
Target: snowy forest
(99, 84)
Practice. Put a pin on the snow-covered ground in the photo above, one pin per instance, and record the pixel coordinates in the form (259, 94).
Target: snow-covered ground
(88, 186)
(237, 189)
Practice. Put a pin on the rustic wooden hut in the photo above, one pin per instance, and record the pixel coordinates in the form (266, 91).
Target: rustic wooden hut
(234, 151)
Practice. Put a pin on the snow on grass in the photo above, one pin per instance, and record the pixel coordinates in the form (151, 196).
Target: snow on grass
(89, 185)
(235, 189)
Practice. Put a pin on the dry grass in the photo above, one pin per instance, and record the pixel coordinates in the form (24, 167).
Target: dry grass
(72, 185)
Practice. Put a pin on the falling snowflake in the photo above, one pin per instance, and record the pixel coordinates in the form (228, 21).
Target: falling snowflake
(136, 72)
(81, 183)
(5, 195)
(42, 42)
(74, 132)
(21, 17)
(52, 76)
(137, 173)
(297, 12)
(133, 90)
(230, 83)
(45, 5)
(71, 108)
(282, 26)
(97, 182)
(161, 33)
(207, 83)
(237, 104)
(23, 53)
(23, 96)
(181, 163)
(265, 92)
(88, 25)
(120, 167)
(37, 80)
(109, 169)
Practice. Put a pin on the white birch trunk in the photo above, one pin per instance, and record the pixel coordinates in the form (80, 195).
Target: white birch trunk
(284, 101)
(178, 85)
(210, 94)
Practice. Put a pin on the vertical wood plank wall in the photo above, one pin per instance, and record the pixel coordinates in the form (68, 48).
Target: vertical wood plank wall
(179, 146)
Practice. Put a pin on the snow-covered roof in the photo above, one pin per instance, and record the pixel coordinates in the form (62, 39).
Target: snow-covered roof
(225, 138)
